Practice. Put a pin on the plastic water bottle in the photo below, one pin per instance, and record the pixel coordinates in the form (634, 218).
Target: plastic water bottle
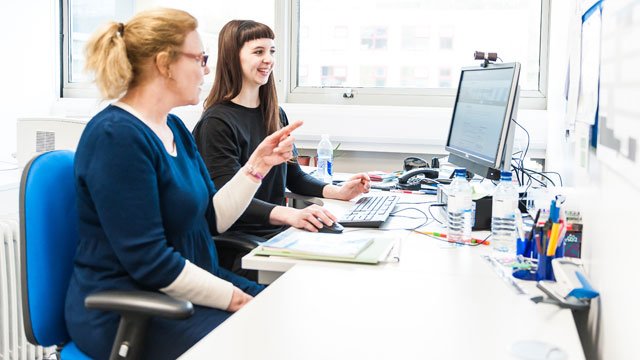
(503, 215)
(459, 208)
(325, 159)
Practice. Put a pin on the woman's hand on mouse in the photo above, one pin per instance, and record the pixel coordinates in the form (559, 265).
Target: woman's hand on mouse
(310, 218)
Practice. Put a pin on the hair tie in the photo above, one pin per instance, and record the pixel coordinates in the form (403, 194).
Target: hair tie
(121, 29)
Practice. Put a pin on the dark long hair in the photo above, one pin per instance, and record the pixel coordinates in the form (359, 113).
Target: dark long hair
(228, 80)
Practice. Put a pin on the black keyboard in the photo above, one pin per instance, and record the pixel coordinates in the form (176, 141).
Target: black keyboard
(369, 211)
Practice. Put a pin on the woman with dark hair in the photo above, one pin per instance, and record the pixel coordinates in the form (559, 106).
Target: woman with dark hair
(240, 111)
(146, 204)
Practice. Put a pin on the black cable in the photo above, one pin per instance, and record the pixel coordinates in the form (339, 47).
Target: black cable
(526, 149)
(430, 213)
(534, 179)
(516, 170)
(556, 173)
(406, 217)
(541, 174)
(426, 218)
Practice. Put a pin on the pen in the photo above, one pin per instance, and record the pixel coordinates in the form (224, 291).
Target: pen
(554, 217)
(533, 230)
(436, 234)
(553, 239)
(444, 236)
(554, 212)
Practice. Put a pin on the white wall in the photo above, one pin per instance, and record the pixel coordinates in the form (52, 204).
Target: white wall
(610, 249)
(608, 202)
(28, 65)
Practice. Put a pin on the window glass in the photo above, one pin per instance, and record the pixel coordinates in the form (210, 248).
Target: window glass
(412, 43)
(86, 16)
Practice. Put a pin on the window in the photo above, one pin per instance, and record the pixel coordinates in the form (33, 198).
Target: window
(373, 76)
(82, 17)
(386, 52)
(410, 52)
(415, 38)
(373, 38)
(414, 77)
(333, 75)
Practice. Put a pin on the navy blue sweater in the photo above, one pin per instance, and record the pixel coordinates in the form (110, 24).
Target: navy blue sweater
(142, 212)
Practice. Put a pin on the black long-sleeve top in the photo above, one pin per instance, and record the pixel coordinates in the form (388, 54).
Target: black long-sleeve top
(226, 136)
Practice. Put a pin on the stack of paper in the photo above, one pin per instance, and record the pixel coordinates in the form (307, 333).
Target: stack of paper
(299, 242)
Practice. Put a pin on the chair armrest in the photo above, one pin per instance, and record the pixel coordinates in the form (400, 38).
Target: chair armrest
(238, 241)
(301, 201)
(141, 302)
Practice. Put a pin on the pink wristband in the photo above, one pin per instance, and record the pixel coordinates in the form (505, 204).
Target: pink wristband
(254, 173)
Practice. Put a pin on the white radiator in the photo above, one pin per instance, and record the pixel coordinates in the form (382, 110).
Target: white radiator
(13, 343)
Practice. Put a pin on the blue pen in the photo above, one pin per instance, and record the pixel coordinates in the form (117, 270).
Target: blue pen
(554, 212)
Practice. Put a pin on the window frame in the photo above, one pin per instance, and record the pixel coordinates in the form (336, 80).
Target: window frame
(67, 88)
(433, 97)
(286, 71)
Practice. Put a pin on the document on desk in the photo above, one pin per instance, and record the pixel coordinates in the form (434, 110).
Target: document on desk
(354, 246)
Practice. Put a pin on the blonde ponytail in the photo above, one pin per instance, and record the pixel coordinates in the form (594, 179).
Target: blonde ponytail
(106, 56)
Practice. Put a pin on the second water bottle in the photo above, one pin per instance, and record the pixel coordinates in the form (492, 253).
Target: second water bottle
(325, 160)
(459, 208)
(503, 215)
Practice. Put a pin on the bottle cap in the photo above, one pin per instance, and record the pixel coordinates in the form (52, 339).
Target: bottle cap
(460, 172)
(505, 175)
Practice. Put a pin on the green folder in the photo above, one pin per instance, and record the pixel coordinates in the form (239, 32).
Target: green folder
(374, 253)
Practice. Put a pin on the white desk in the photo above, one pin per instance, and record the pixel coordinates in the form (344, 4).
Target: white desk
(438, 302)
(417, 252)
(341, 313)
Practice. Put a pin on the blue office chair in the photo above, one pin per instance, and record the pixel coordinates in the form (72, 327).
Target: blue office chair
(48, 230)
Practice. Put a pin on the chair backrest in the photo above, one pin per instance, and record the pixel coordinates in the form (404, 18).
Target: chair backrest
(49, 236)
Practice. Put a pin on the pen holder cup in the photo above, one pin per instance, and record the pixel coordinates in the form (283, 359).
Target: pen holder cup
(523, 247)
(560, 249)
(545, 271)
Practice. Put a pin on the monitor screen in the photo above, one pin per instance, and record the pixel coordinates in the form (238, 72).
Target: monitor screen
(481, 135)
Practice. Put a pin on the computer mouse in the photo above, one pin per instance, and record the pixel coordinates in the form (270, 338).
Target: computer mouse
(333, 229)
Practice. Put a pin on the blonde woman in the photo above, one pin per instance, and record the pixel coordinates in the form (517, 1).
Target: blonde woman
(146, 204)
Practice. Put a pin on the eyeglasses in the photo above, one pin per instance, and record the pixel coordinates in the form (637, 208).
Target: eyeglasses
(202, 58)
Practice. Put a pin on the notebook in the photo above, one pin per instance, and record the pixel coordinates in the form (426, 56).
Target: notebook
(355, 246)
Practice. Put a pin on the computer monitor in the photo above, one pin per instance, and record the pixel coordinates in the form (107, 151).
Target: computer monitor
(481, 132)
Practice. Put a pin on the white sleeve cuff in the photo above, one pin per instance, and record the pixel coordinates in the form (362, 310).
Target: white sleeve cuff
(232, 199)
(200, 287)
